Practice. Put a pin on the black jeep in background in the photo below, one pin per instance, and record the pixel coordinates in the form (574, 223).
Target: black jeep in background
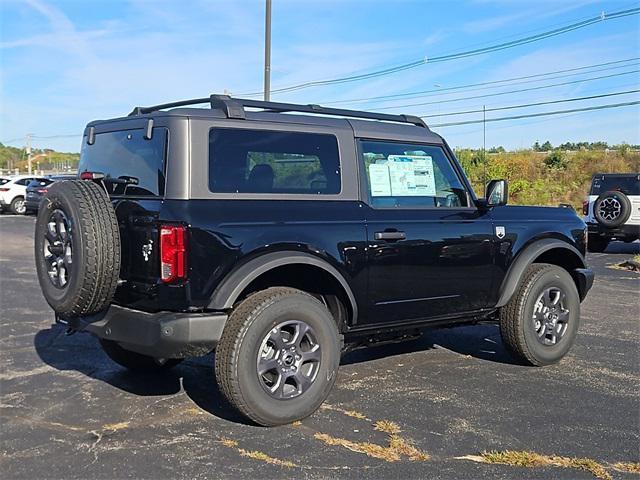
(281, 235)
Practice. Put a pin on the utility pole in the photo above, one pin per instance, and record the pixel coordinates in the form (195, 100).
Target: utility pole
(484, 145)
(267, 52)
(28, 147)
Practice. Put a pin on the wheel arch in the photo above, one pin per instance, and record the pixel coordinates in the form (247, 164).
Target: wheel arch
(267, 268)
(553, 251)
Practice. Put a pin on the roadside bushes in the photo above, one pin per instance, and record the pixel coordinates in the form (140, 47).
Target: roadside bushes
(546, 178)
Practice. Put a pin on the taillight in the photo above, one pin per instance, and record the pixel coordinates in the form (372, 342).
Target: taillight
(585, 207)
(4, 189)
(42, 190)
(173, 265)
(91, 176)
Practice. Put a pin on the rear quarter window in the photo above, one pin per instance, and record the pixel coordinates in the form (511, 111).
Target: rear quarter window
(261, 161)
(126, 154)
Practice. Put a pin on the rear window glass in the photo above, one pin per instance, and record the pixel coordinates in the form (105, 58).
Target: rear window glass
(132, 165)
(629, 185)
(260, 161)
(40, 182)
(4, 180)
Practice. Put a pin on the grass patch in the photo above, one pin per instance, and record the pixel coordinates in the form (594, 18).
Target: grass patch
(348, 413)
(627, 467)
(256, 455)
(398, 446)
(532, 459)
(387, 426)
(368, 448)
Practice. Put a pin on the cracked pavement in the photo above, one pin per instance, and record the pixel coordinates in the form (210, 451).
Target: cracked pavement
(69, 412)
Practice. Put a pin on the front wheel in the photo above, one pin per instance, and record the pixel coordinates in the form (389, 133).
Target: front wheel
(540, 322)
(278, 356)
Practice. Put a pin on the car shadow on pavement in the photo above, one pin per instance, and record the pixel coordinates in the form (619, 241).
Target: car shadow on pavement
(480, 341)
(82, 353)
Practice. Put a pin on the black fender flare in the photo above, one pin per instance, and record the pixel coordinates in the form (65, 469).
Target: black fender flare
(228, 291)
(525, 258)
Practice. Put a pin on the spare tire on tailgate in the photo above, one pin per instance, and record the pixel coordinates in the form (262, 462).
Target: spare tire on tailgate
(77, 248)
(612, 208)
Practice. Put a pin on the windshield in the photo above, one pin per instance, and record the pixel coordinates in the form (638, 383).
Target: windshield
(627, 184)
(128, 155)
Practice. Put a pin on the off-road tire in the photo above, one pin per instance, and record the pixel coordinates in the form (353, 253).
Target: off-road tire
(236, 354)
(597, 244)
(516, 324)
(17, 206)
(95, 243)
(625, 209)
(136, 362)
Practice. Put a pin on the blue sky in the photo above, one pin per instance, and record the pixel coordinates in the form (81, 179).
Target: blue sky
(65, 63)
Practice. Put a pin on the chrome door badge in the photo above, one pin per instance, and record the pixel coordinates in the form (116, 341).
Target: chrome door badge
(500, 232)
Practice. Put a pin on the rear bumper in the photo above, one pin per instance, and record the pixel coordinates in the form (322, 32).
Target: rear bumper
(32, 203)
(584, 279)
(622, 232)
(161, 334)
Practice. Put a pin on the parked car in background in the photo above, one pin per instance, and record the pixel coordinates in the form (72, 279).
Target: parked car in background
(37, 188)
(14, 192)
(612, 210)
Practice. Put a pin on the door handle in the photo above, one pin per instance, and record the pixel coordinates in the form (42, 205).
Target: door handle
(389, 236)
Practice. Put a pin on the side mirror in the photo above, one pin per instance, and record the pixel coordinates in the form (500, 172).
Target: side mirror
(497, 193)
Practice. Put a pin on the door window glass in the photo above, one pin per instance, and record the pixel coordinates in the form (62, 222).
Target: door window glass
(406, 175)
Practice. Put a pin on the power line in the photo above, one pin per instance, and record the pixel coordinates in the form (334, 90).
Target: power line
(525, 105)
(531, 115)
(455, 56)
(72, 135)
(418, 94)
(541, 87)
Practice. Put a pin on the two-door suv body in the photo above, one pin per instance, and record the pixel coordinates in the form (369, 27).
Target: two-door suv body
(281, 235)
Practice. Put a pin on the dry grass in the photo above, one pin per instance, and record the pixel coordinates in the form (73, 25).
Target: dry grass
(263, 457)
(627, 467)
(371, 449)
(349, 413)
(398, 446)
(114, 427)
(532, 459)
(256, 455)
(387, 426)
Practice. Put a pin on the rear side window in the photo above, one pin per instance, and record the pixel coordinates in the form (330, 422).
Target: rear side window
(261, 161)
(629, 185)
(132, 165)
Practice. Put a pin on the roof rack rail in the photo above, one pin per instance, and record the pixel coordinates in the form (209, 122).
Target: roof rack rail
(235, 108)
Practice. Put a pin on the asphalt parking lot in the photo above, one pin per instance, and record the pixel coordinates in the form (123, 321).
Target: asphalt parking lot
(69, 412)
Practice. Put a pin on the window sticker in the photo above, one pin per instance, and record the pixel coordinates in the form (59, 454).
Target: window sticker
(379, 180)
(411, 175)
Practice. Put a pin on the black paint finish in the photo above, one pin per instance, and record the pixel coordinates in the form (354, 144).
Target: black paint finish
(450, 262)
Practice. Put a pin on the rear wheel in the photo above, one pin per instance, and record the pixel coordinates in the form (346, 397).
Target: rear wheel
(18, 206)
(597, 243)
(540, 322)
(278, 356)
(136, 361)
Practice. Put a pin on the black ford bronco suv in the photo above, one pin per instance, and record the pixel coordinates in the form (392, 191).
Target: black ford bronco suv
(282, 235)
